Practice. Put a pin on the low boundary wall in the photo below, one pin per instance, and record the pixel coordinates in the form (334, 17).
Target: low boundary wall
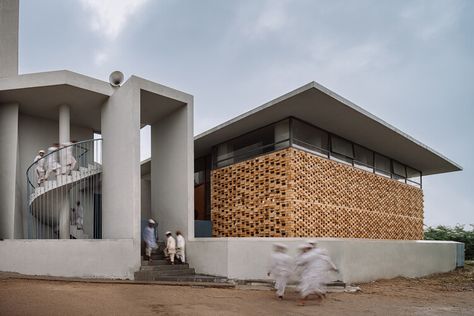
(106, 258)
(358, 260)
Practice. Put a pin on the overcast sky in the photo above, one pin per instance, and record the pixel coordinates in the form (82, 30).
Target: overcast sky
(410, 63)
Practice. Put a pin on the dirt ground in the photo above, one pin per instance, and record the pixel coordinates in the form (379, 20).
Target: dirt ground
(443, 294)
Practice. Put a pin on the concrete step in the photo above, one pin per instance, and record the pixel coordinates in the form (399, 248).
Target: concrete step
(163, 267)
(193, 278)
(156, 256)
(153, 275)
(154, 262)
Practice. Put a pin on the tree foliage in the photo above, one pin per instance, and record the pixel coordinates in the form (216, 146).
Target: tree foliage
(456, 233)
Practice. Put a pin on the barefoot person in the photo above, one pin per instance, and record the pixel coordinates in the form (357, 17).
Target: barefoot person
(281, 268)
(313, 264)
(170, 249)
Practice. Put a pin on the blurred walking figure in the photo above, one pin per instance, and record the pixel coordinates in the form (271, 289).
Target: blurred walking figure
(79, 215)
(149, 237)
(67, 159)
(314, 265)
(170, 249)
(40, 170)
(281, 268)
(52, 164)
(180, 247)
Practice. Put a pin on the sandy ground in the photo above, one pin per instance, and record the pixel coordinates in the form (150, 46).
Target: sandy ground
(444, 294)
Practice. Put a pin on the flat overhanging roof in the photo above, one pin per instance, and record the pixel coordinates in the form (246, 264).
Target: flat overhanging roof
(40, 94)
(323, 108)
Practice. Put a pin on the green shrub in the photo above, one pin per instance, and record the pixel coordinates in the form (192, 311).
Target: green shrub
(456, 233)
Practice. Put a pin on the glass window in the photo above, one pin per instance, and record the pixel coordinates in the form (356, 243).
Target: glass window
(363, 158)
(399, 169)
(341, 146)
(382, 165)
(413, 175)
(252, 144)
(310, 137)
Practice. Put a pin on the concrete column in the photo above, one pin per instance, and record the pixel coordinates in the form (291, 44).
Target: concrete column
(172, 152)
(64, 137)
(9, 16)
(120, 126)
(8, 168)
(64, 123)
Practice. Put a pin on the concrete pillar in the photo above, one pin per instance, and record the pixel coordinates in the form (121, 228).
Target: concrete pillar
(64, 123)
(172, 166)
(120, 127)
(64, 137)
(9, 16)
(8, 168)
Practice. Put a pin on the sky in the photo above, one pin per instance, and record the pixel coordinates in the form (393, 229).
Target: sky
(411, 63)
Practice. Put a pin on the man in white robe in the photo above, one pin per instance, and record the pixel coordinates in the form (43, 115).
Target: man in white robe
(67, 158)
(79, 215)
(40, 163)
(314, 265)
(281, 268)
(180, 247)
(52, 164)
(149, 237)
(170, 250)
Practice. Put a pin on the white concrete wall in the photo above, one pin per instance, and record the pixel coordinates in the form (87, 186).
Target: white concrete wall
(120, 126)
(8, 168)
(70, 258)
(172, 164)
(9, 17)
(34, 134)
(358, 260)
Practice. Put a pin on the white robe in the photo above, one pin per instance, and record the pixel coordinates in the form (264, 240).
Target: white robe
(171, 245)
(281, 269)
(314, 267)
(180, 247)
(149, 237)
(40, 171)
(52, 163)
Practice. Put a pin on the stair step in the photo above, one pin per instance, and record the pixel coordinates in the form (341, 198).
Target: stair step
(152, 275)
(163, 267)
(192, 278)
(154, 262)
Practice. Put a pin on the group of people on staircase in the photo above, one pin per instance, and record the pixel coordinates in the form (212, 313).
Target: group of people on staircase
(53, 163)
(174, 249)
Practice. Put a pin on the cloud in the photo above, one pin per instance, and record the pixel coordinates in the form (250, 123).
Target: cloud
(100, 58)
(110, 17)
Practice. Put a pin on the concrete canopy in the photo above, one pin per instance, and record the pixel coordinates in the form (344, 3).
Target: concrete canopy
(323, 108)
(40, 94)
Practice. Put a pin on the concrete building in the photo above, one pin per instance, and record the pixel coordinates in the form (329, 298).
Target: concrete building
(309, 164)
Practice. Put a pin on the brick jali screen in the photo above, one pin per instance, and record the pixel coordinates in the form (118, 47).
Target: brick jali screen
(292, 193)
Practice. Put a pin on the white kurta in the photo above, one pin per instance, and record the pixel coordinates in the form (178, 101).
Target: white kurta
(281, 269)
(40, 171)
(52, 163)
(314, 267)
(149, 237)
(79, 216)
(180, 248)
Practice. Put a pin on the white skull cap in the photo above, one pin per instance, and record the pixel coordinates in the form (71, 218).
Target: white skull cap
(168, 233)
(151, 221)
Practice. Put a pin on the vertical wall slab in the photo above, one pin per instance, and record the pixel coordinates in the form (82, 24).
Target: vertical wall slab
(120, 125)
(172, 152)
(9, 17)
(8, 168)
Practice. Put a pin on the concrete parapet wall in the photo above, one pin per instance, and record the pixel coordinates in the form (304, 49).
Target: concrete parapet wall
(359, 260)
(115, 259)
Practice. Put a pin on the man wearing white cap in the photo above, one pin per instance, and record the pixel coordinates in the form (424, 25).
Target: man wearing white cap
(170, 249)
(281, 268)
(150, 239)
(40, 172)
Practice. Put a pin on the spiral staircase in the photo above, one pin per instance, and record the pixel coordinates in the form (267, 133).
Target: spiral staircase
(51, 200)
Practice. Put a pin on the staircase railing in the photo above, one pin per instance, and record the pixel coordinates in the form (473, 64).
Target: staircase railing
(64, 192)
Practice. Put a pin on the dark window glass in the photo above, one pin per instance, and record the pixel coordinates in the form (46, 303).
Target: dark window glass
(252, 144)
(413, 175)
(341, 146)
(382, 165)
(363, 158)
(310, 137)
(399, 169)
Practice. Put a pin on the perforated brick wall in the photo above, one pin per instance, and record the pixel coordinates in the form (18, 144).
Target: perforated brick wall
(292, 193)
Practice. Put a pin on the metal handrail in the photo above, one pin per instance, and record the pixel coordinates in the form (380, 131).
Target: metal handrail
(77, 144)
